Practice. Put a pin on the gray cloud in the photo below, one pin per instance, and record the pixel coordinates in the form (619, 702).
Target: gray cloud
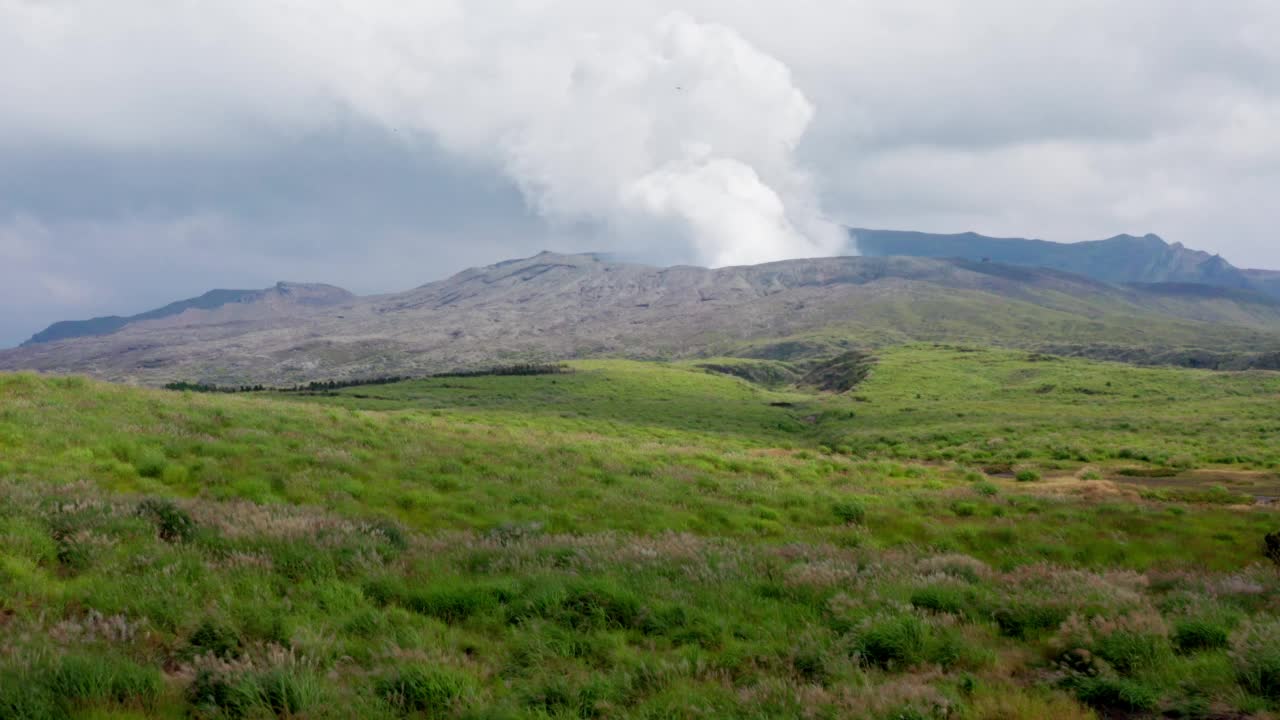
(152, 152)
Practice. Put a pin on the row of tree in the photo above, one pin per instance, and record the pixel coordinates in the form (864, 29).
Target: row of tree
(211, 388)
(331, 385)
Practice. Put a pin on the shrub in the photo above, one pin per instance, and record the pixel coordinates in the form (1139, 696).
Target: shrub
(1116, 694)
(302, 561)
(849, 512)
(214, 638)
(986, 489)
(151, 464)
(87, 679)
(391, 534)
(285, 693)
(1129, 643)
(454, 604)
(964, 509)
(1026, 620)
(1027, 476)
(599, 605)
(215, 694)
(893, 642)
(1193, 635)
(172, 522)
(433, 691)
(22, 700)
(940, 598)
(1271, 547)
(1255, 656)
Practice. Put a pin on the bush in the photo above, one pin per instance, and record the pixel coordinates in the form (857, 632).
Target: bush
(217, 694)
(1027, 620)
(433, 691)
(599, 605)
(1129, 642)
(214, 638)
(1129, 651)
(285, 693)
(1255, 656)
(986, 489)
(21, 699)
(454, 604)
(894, 642)
(940, 598)
(1193, 635)
(1271, 547)
(1116, 694)
(849, 512)
(1027, 476)
(88, 679)
(172, 522)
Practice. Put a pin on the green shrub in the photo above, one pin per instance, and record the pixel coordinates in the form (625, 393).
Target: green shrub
(1026, 620)
(1027, 476)
(151, 464)
(1116, 694)
(940, 598)
(893, 642)
(1129, 651)
(302, 561)
(215, 694)
(22, 698)
(80, 678)
(599, 605)
(1271, 547)
(964, 509)
(1194, 635)
(391, 534)
(849, 512)
(214, 638)
(454, 604)
(1255, 656)
(434, 691)
(285, 693)
(172, 523)
(986, 489)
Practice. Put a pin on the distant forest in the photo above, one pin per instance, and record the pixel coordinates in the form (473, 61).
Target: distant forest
(329, 385)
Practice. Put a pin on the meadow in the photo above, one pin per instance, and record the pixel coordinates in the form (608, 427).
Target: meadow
(968, 533)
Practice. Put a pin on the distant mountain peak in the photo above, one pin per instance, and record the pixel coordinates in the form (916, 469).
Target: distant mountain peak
(1121, 258)
(303, 295)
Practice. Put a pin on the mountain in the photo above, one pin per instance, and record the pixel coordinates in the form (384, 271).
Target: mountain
(270, 301)
(1121, 259)
(553, 306)
(1267, 280)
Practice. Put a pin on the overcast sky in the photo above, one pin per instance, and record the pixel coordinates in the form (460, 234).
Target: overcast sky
(150, 151)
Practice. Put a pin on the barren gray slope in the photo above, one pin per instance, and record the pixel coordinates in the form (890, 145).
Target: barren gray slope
(552, 307)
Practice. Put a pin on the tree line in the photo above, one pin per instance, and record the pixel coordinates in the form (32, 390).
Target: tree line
(330, 385)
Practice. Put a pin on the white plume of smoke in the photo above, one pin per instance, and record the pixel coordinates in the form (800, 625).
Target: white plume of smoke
(680, 129)
(675, 135)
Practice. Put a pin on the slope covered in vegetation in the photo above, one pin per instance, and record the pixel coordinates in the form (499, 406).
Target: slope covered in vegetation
(964, 534)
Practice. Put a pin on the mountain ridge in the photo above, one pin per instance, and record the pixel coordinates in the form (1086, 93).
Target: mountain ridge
(1118, 259)
(307, 294)
(553, 306)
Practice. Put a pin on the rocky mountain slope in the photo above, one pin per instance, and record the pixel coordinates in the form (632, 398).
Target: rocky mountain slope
(282, 299)
(1121, 259)
(553, 306)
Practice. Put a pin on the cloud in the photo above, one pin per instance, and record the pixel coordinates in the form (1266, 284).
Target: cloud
(380, 144)
(607, 124)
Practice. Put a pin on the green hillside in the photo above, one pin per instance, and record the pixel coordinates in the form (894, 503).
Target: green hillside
(967, 533)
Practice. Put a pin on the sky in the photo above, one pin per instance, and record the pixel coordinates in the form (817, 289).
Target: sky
(152, 151)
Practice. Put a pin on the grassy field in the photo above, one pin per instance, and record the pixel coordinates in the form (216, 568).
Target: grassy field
(967, 534)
